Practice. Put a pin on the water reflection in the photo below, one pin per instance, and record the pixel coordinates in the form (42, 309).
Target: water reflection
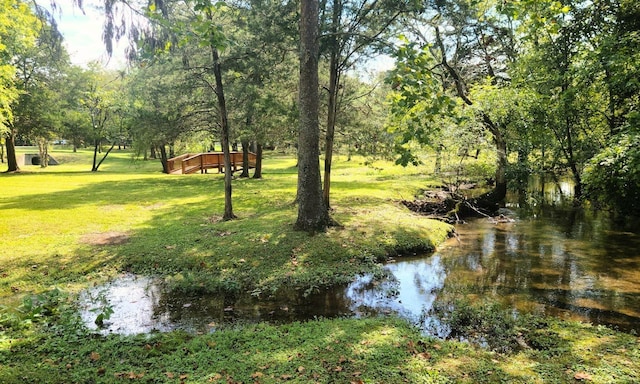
(143, 305)
(552, 259)
(585, 273)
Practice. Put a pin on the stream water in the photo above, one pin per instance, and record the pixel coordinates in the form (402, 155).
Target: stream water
(544, 256)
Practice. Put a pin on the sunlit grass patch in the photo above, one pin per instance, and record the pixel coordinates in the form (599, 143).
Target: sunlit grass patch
(61, 218)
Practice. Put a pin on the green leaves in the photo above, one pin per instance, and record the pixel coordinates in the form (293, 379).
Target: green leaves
(417, 100)
(612, 176)
(18, 31)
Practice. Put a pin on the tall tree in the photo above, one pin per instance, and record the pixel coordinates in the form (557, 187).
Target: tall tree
(262, 70)
(76, 122)
(312, 213)
(19, 28)
(467, 43)
(571, 66)
(40, 77)
(202, 27)
(99, 102)
(166, 105)
(353, 29)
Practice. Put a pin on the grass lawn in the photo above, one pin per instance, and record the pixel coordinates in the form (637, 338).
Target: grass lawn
(64, 226)
(67, 228)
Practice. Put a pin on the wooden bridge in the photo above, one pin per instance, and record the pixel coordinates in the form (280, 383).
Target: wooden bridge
(194, 162)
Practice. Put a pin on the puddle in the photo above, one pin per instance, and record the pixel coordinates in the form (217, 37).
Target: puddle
(143, 305)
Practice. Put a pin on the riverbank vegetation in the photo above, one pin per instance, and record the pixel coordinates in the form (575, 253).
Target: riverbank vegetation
(380, 350)
(68, 229)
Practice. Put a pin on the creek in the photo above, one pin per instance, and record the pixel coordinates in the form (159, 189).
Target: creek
(542, 256)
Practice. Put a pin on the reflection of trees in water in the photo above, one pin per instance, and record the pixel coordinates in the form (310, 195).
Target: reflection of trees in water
(554, 261)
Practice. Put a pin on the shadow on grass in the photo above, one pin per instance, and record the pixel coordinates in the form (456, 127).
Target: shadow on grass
(142, 191)
(178, 233)
(327, 351)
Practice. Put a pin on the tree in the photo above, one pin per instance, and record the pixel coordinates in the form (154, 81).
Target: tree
(261, 73)
(465, 46)
(38, 111)
(353, 28)
(312, 213)
(100, 101)
(166, 105)
(18, 31)
(612, 176)
(580, 60)
(76, 122)
(203, 29)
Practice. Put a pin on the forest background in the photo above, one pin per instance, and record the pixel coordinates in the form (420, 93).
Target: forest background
(530, 86)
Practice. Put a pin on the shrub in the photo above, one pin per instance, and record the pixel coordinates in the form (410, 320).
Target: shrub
(612, 177)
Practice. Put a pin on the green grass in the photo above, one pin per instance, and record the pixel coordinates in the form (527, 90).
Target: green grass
(52, 219)
(379, 350)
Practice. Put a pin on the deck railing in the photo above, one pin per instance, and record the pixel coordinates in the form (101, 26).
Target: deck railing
(192, 163)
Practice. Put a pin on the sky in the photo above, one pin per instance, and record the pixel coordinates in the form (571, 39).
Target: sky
(83, 38)
(83, 35)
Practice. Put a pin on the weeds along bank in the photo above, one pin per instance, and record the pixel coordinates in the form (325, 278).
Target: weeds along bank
(52, 347)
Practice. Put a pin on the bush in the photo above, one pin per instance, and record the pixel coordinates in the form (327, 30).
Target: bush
(612, 177)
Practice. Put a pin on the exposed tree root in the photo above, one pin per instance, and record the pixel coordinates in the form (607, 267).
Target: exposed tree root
(452, 207)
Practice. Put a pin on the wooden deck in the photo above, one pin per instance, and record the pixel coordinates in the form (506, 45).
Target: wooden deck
(194, 162)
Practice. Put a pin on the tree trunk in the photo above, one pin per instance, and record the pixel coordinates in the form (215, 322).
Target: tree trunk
(224, 124)
(164, 159)
(491, 199)
(245, 158)
(43, 152)
(96, 166)
(257, 174)
(312, 213)
(577, 188)
(12, 161)
(334, 81)
(437, 170)
(498, 194)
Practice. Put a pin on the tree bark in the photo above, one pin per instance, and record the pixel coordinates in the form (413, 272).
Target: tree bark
(164, 159)
(312, 213)
(43, 152)
(257, 174)
(334, 81)
(96, 166)
(96, 145)
(224, 125)
(12, 161)
(245, 158)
